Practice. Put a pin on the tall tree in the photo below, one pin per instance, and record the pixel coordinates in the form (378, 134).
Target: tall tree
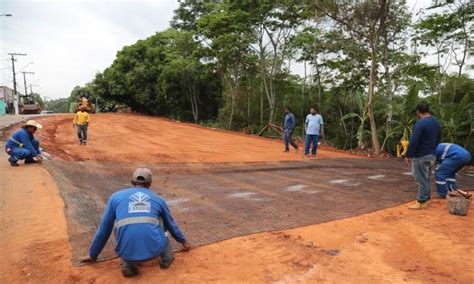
(366, 21)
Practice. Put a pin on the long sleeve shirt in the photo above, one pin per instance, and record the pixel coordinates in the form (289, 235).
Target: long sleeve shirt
(425, 138)
(22, 137)
(451, 151)
(135, 213)
(289, 121)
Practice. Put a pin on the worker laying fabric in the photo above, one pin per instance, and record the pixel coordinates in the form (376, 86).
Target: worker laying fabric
(452, 158)
(22, 145)
(81, 122)
(136, 213)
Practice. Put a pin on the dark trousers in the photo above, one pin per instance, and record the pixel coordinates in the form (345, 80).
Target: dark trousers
(289, 139)
(82, 132)
(166, 257)
(314, 139)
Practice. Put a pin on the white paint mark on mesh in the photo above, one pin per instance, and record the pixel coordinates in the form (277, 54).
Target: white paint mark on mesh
(312, 191)
(297, 187)
(177, 201)
(243, 194)
(375, 177)
(339, 181)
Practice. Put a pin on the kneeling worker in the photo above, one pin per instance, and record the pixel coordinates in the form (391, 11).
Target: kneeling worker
(22, 145)
(452, 158)
(136, 213)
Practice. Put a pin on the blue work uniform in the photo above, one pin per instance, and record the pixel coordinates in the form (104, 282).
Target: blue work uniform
(22, 146)
(135, 214)
(452, 158)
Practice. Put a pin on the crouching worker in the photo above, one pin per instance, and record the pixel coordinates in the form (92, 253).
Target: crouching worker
(452, 158)
(136, 213)
(22, 145)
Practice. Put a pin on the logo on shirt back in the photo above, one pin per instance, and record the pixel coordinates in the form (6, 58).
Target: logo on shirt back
(139, 203)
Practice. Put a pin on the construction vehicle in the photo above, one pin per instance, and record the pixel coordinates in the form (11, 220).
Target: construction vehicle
(83, 102)
(28, 105)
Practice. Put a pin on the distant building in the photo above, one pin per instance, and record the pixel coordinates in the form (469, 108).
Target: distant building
(6, 95)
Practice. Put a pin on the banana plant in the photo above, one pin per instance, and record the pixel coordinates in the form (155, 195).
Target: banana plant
(362, 116)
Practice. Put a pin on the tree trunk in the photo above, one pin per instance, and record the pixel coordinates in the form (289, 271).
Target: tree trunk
(370, 103)
(388, 94)
(194, 104)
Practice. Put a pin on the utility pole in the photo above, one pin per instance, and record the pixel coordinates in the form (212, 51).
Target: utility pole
(15, 93)
(24, 81)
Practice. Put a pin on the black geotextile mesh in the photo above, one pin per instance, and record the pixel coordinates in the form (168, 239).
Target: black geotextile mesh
(214, 202)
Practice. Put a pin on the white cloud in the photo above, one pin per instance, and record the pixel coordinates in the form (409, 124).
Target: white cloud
(69, 41)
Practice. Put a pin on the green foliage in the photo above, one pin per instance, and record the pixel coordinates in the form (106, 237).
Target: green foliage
(57, 106)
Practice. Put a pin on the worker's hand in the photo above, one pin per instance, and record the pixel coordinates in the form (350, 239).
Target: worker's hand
(88, 260)
(186, 246)
(408, 161)
(38, 159)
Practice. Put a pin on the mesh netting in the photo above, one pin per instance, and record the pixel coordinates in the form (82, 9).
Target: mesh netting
(214, 202)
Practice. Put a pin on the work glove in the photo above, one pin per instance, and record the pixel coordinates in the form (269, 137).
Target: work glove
(38, 159)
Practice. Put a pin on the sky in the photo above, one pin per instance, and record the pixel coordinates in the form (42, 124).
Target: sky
(69, 41)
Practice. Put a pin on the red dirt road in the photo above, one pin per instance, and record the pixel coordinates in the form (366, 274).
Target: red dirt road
(133, 138)
(389, 246)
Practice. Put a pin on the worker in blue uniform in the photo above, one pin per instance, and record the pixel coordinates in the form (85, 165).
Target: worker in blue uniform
(22, 145)
(452, 158)
(140, 218)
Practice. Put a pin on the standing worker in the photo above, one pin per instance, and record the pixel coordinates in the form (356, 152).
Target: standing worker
(314, 127)
(22, 145)
(136, 213)
(422, 153)
(289, 123)
(452, 158)
(81, 122)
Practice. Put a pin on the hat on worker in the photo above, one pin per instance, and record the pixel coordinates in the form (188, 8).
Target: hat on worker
(142, 175)
(33, 123)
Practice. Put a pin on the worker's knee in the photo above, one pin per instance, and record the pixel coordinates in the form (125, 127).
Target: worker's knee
(35, 143)
(20, 153)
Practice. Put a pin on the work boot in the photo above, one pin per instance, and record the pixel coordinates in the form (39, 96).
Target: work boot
(439, 197)
(166, 264)
(419, 206)
(31, 161)
(129, 270)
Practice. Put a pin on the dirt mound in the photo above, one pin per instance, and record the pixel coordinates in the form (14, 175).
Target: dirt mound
(136, 138)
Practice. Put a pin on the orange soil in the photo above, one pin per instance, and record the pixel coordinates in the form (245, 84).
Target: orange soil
(393, 245)
(126, 138)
